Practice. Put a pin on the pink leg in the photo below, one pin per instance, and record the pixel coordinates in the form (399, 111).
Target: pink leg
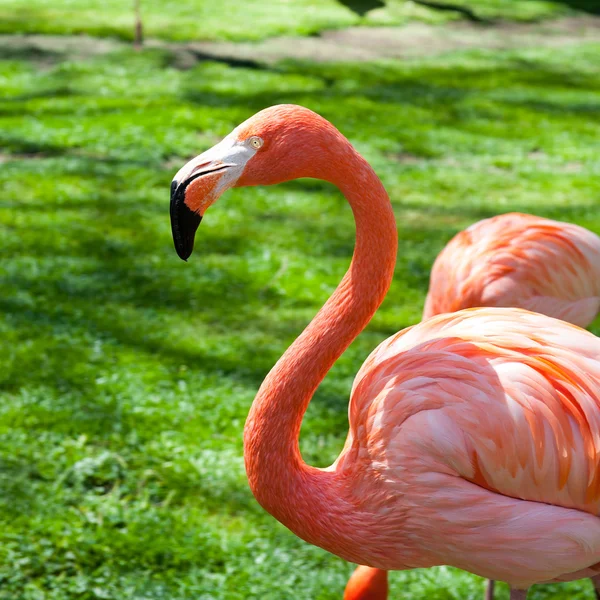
(518, 594)
(367, 583)
(489, 590)
(596, 582)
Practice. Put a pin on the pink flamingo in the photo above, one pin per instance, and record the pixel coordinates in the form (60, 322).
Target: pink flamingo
(519, 260)
(474, 437)
(514, 260)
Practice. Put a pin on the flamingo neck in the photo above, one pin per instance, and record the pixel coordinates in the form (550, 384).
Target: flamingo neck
(307, 500)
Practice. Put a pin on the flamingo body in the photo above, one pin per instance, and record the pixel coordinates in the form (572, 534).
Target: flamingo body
(523, 261)
(477, 435)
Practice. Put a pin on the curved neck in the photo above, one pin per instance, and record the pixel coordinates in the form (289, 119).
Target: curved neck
(305, 499)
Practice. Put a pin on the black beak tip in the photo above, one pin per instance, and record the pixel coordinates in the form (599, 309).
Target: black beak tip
(184, 248)
(184, 222)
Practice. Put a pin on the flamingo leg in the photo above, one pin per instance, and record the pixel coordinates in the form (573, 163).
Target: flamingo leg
(489, 590)
(596, 582)
(367, 583)
(518, 594)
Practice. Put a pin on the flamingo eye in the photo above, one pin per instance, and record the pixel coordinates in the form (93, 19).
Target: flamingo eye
(255, 142)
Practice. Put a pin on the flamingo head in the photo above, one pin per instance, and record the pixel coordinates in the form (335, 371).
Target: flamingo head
(277, 144)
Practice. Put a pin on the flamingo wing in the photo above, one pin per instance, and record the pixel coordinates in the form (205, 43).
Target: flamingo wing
(520, 391)
(489, 420)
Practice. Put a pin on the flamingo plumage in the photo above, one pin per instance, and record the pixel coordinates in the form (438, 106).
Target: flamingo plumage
(519, 260)
(474, 437)
(511, 260)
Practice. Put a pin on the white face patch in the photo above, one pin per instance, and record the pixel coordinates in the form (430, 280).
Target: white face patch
(229, 152)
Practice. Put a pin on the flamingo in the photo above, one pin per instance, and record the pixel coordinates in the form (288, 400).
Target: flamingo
(474, 437)
(525, 261)
(515, 260)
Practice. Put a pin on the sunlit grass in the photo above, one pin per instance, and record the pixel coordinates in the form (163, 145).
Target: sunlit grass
(247, 20)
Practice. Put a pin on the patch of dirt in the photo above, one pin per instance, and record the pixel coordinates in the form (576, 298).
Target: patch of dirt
(573, 167)
(4, 158)
(410, 41)
(537, 154)
(46, 50)
(352, 44)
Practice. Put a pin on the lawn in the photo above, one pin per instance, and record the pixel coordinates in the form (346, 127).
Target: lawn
(250, 19)
(127, 374)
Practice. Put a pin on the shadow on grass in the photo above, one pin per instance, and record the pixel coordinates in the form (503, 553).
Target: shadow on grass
(444, 92)
(589, 6)
(18, 146)
(38, 56)
(362, 7)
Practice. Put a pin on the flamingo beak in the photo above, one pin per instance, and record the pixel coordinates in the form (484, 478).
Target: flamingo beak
(184, 222)
(187, 208)
(199, 184)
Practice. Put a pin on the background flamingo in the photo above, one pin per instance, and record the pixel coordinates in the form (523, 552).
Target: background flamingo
(474, 437)
(519, 260)
(515, 260)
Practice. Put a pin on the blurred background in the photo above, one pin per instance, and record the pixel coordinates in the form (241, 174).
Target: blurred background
(127, 374)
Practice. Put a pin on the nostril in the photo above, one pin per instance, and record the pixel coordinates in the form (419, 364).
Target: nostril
(200, 167)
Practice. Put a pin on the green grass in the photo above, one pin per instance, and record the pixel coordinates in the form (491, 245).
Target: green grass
(244, 20)
(127, 374)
